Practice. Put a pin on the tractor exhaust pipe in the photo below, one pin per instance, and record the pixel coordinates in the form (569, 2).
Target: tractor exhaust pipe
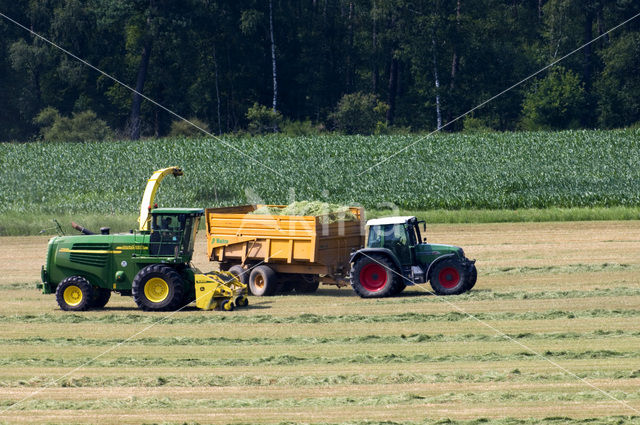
(81, 229)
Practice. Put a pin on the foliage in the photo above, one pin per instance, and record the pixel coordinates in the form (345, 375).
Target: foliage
(475, 125)
(359, 113)
(446, 171)
(81, 127)
(263, 120)
(301, 128)
(180, 128)
(213, 60)
(619, 95)
(556, 102)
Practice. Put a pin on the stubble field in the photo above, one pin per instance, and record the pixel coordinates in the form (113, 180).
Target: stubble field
(567, 291)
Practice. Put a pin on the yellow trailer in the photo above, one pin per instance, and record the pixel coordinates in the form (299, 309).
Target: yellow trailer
(280, 253)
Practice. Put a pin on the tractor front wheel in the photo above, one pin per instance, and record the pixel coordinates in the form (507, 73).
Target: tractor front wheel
(74, 293)
(374, 276)
(449, 277)
(158, 287)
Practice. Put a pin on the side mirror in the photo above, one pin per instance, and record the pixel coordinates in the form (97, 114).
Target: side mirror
(424, 226)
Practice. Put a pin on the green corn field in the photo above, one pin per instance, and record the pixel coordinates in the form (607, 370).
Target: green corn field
(445, 171)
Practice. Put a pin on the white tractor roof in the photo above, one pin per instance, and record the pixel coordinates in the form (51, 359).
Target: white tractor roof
(389, 220)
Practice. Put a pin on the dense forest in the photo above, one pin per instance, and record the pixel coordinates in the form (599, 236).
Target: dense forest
(225, 63)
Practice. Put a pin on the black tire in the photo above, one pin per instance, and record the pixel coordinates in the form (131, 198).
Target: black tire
(374, 276)
(448, 277)
(240, 273)
(242, 301)
(286, 287)
(227, 306)
(471, 278)
(101, 297)
(263, 281)
(399, 288)
(188, 297)
(74, 293)
(149, 290)
(307, 284)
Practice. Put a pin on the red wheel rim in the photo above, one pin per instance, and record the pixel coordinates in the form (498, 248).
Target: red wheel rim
(449, 277)
(373, 277)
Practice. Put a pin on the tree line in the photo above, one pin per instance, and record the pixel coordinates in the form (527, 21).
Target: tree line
(410, 65)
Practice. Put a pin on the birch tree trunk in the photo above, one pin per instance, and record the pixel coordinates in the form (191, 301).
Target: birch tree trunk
(435, 75)
(273, 59)
(455, 60)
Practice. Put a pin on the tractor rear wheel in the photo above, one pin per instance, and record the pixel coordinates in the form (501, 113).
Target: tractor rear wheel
(263, 281)
(374, 276)
(74, 293)
(449, 277)
(240, 273)
(101, 297)
(158, 287)
(472, 278)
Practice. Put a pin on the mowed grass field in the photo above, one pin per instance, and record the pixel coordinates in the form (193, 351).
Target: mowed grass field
(568, 291)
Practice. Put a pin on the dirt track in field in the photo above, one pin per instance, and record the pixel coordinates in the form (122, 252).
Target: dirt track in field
(569, 291)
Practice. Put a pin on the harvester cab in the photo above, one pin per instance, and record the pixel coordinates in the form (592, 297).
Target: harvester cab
(396, 255)
(153, 263)
(173, 232)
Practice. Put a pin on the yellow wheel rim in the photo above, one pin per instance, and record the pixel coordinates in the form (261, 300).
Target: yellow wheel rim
(72, 295)
(259, 281)
(156, 290)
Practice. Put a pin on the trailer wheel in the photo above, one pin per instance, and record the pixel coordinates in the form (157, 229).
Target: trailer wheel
(374, 277)
(74, 293)
(448, 278)
(307, 284)
(472, 278)
(157, 287)
(263, 281)
(240, 273)
(101, 297)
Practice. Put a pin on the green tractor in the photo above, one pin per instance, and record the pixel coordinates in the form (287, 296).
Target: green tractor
(152, 263)
(396, 256)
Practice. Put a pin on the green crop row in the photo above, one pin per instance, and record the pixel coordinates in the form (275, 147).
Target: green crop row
(317, 380)
(446, 171)
(291, 360)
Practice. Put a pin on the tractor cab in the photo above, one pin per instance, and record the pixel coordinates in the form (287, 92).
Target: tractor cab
(400, 235)
(173, 231)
